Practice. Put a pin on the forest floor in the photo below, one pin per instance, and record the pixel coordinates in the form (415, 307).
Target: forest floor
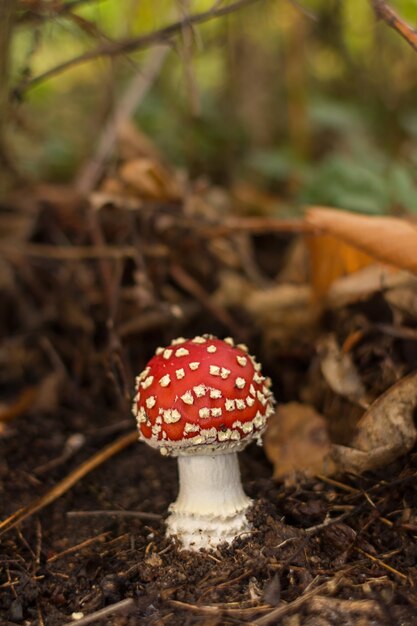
(87, 296)
(324, 552)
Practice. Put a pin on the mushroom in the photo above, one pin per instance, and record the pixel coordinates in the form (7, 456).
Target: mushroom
(202, 400)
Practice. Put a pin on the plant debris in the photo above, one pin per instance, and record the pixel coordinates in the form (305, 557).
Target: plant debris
(89, 288)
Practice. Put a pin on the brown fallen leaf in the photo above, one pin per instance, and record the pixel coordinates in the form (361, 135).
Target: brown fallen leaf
(330, 259)
(150, 179)
(367, 281)
(20, 405)
(42, 397)
(385, 432)
(389, 239)
(340, 372)
(296, 442)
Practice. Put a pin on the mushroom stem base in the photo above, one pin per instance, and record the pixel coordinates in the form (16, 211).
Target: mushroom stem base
(211, 505)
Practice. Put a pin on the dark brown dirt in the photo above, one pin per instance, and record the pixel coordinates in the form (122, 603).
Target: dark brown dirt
(372, 546)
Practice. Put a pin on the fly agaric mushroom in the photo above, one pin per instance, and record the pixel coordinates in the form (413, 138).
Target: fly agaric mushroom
(203, 400)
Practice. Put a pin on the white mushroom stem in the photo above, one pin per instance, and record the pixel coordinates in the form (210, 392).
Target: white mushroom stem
(211, 505)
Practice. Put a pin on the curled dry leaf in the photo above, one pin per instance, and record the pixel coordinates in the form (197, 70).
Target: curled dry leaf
(403, 297)
(150, 179)
(340, 372)
(385, 432)
(389, 239)
(296, 442)
(330, 259)
(283, 312)
(367, 281)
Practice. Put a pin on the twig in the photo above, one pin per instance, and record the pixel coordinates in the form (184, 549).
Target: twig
(273, 616)
(218, 609)
(8, 9)
(149, 320)
(23, 403)
(255, 225)
(69, 481)
(135, 93)
(190, 285)
(118, 607)
(131, 44)
(53, 11)
(392, 19)
(382, 564)
(319, 604)
(307, 12)
(67, 253)
(78, 547)
(116, 513)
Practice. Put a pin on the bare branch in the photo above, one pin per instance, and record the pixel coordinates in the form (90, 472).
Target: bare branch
(384, 12)
(136, 91)
(131, 44)
(7, 20)
(52, 11)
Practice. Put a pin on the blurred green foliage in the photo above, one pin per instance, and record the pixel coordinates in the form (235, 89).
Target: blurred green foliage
(319, 109)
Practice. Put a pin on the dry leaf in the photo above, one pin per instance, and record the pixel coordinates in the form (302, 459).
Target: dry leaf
(389, 239)
(296, 441)
(251, 199)
(284, 312)
(150, 179)
(385, 432)
(133, 143)
(331, 258)
(340, 372)
(403, 297)
(365, 282)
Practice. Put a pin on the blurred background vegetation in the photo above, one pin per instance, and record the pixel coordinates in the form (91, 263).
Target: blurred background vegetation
(310, 104)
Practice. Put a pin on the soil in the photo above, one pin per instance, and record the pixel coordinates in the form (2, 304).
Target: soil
(352, 532)
(75, 327)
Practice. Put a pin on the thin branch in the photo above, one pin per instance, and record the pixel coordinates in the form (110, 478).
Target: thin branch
(51, 11)
(71, 253)
(69, 481)
(135, 93)
(8, 10)
(116, 513)
(126, 605)
(384, 12)
(131, 44)
(275, 615)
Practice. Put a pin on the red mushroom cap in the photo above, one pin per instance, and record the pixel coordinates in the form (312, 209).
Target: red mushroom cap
(201, 395)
